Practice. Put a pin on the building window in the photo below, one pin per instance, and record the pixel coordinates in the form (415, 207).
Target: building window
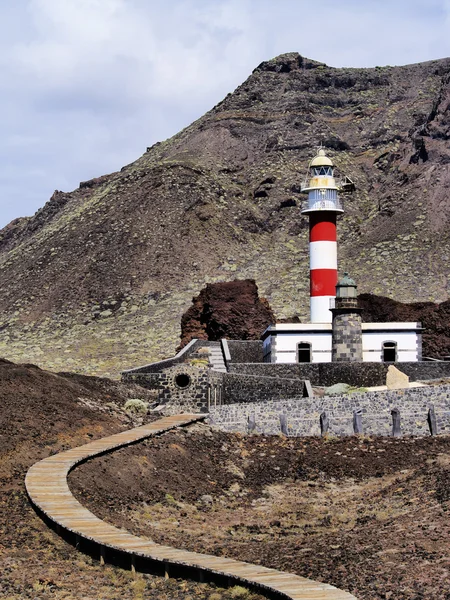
(322, 194)
(323, 171)
(182, 380)
(389, 351)
(304, 352)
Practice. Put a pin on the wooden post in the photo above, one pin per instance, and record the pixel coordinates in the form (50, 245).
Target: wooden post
(357, 421)
(133, 564)
(324, 424)
(166, 570)
(432, 422)
(396, 426)
(102, 555)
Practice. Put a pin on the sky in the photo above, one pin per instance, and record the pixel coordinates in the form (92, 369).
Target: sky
(87, 85)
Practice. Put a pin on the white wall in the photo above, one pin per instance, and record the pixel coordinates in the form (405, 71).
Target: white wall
(286, 346)
(284, 341)
(406, 345)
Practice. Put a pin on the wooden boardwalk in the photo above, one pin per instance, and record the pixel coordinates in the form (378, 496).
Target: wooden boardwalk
(47, 487)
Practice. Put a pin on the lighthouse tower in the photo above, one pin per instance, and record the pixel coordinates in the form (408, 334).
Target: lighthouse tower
(323, 206)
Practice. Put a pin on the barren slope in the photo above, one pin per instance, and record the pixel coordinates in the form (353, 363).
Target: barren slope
(369, 515)
(98, 279)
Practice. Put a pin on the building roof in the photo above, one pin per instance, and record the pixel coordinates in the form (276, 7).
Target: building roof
(346, 281)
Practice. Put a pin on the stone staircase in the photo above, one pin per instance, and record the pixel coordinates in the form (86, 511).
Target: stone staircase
(216, 357)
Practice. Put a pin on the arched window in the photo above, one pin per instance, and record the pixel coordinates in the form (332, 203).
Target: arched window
(304, 352)
(389, 351)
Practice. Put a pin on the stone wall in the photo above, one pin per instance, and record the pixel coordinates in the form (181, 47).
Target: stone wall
(356, 374)
(183, 388)
(245, 351)
(179, 358)
(250, 388)
(202, 387)
(347, 336)
(302, 415)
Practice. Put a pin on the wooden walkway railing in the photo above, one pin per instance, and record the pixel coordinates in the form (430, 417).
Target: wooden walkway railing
(47, 487)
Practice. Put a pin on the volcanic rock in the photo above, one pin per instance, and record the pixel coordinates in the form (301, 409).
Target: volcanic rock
(231, 310)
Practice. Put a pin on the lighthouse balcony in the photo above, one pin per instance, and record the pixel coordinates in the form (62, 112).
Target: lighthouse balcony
(313, 205)
(342, 185)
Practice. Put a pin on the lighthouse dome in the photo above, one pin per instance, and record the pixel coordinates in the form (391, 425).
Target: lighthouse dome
(321, 160)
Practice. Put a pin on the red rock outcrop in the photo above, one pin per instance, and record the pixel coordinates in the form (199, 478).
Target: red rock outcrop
(230, 309)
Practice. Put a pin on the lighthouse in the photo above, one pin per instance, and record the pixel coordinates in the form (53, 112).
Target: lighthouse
(322, 206)
(335, 332)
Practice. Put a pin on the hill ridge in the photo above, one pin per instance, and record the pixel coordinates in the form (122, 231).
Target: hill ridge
(100, 276)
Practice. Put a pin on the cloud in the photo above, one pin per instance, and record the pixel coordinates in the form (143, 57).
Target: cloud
(88, 84)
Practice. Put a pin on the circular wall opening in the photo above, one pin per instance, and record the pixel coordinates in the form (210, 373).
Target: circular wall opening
(183, 380)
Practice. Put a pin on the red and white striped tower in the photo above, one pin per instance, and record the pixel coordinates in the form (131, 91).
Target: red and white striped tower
(323, 206)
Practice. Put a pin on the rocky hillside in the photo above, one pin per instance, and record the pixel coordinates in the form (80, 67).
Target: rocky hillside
(98, 279)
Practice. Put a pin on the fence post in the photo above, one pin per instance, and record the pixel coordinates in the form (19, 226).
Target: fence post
(324, 424)
(251, 423)
(396, 426)
(357, 421)
(432, 422)
(283, 424)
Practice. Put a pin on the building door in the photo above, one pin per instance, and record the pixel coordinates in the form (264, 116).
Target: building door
(389, 351)
(304, 352)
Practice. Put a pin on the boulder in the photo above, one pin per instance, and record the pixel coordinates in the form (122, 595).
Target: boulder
(338, 389)
(231, 309)
(395, 379)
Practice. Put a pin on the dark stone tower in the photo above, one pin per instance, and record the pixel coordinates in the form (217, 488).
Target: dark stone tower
(347, 333)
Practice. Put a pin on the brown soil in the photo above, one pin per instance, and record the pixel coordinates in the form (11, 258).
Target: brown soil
(42, 413)
(369, 515)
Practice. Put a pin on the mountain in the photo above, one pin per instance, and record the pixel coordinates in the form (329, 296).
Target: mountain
(97, 280)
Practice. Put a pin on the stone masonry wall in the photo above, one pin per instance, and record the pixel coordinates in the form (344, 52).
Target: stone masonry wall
(183, 387)
(243, 351)
(251, 388)
(302, 414)
(347, 337)
(364, 374)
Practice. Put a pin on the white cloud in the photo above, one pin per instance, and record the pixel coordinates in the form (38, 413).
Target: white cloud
(88, 84)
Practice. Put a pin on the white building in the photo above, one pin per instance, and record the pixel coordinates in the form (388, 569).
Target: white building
(312, 342)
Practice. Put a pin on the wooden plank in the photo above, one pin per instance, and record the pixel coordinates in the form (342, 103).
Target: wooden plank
(47, 487)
